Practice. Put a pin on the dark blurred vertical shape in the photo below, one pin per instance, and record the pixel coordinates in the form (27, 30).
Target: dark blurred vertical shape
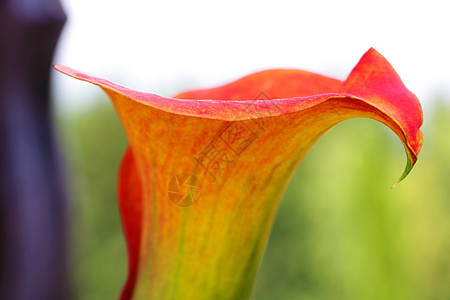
(33, 246)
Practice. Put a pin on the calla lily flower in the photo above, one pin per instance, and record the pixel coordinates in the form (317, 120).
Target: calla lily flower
(201, 181)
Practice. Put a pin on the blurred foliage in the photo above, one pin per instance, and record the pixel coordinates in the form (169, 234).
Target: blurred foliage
(341, 232)
(95, 142)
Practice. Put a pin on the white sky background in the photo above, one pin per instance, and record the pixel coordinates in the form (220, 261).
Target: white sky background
(164, 47)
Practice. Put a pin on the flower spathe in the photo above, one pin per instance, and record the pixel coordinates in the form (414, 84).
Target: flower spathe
(201, 181)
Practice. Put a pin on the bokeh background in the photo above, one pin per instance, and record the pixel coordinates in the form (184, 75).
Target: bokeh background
(341, 232)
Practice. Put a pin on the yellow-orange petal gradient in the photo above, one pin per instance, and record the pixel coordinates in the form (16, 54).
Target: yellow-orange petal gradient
(201, 181)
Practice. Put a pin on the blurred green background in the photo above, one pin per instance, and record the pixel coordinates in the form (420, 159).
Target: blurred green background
(340, 233)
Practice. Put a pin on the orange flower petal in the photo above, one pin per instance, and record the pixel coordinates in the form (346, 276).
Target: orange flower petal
(202, 182)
